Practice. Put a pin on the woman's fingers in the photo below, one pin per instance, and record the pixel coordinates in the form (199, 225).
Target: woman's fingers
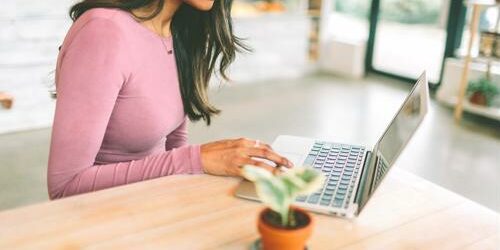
(268, 154)
(227, 157)
(261, 164)
(248, 143)
(242, 161)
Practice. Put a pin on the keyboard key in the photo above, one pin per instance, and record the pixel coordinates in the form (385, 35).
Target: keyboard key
(337, 202)
(340, 196)
(309, 160)
(313, 199)
(342, 191)
(342, 186)
(324, 203)
(301, 198)
(327, 196)
(332, 183)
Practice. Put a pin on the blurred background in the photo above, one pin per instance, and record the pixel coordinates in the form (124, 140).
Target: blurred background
(330, 69)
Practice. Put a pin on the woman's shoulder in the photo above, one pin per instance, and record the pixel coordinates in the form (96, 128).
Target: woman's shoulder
(99, 22)
(99, 16)
(111, 14)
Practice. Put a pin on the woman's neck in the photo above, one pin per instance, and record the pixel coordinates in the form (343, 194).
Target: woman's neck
(160, 24)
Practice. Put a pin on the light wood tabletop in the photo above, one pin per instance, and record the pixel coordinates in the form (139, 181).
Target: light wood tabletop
(200, 212)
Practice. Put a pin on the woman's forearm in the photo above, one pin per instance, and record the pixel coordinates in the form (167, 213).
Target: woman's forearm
(183, 160)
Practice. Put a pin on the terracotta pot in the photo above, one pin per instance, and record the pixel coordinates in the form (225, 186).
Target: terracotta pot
(478, 98)
(276, 238)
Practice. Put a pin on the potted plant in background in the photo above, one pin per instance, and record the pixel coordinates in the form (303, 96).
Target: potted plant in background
(482, 91)
(282, 226)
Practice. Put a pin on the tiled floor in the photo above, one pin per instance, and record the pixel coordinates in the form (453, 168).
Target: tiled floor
(463, 158)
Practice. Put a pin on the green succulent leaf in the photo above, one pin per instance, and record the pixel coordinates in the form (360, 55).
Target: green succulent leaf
(279, 191)
(271, 192)
(252, 173)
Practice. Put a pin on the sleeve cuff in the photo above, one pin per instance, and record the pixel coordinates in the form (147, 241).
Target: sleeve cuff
(195, 156)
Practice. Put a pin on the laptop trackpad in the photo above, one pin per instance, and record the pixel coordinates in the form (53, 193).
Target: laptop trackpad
(294, 148)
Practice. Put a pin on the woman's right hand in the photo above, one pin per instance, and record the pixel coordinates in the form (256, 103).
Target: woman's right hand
(227, 157)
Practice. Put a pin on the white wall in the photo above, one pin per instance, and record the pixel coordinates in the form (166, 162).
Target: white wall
(30, 34)
(280, 44)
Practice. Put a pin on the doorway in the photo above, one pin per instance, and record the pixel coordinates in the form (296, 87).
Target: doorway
(407, 37)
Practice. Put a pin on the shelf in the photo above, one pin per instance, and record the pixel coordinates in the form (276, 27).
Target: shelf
(481, 59)
(485, 3)
(490, 112)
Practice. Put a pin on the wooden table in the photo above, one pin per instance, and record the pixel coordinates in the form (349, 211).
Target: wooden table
(199, 212)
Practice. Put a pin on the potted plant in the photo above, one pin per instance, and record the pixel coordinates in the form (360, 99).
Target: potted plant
(282, 226)
(482, 91)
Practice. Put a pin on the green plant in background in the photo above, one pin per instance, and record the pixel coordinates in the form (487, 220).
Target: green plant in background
(485, 87)
(412, 11)
(279, 191)
(402, 11)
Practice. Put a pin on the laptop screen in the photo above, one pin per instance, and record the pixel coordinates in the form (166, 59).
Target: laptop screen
(401, 129)
(396, 136)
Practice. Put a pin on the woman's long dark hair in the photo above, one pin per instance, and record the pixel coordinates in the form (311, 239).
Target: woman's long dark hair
(203, 40)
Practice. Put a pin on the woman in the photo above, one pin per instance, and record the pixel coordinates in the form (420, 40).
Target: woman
(128, 74)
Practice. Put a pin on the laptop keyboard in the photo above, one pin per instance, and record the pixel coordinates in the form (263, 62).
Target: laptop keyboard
(341, 164)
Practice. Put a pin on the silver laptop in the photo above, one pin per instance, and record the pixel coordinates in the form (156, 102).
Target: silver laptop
(353, 172)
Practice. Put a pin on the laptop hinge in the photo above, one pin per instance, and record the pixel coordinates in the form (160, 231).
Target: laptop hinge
(364, 185)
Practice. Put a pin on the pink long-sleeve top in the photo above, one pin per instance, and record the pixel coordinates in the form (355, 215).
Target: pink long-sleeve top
(119, 115)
